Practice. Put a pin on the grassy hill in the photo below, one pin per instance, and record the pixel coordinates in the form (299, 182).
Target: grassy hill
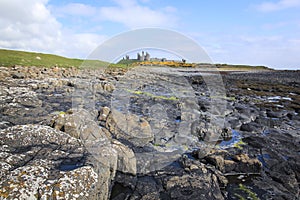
(128, 62)
(11, 57)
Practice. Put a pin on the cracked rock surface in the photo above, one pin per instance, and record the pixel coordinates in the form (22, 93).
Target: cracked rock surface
(35, 163)
(158, 134)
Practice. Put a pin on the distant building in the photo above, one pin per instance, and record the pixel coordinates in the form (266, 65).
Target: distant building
(147, 57)
(139, 57)
(143, 57)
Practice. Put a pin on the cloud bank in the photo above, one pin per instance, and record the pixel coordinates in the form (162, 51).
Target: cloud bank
(35, 25)
(279, 5)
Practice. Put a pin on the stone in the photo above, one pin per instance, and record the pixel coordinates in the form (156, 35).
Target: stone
(104, 112)
(193, 187)
(130, 127)
(18, 75)
(97, 140)
(39, 162)
(126, 162)
(251, 127)
(274, 114)
(79, 124)
(217, 161)
(37, 94)
(246, 164)
(229, 166)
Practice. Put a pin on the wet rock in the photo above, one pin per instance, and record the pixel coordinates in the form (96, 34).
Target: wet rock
(146, 188)
(233, 122)
(274, 114)
(171, 182)
(252, 127)
(209, 131)
(193, 187)
(229, 165)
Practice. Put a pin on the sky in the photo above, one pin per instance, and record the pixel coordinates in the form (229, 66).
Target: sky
(265, 32)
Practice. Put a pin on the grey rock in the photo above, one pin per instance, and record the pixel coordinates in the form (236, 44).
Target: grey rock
(97, 140)
(18, 75)
(40, 162)
(130, 127)
(79, 124)
(193, 187)
(252, 127)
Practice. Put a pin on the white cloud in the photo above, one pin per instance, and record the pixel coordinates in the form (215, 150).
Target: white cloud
(130, 13)
(279, 5)
(27, 25)
(76, 9)
(273, 51)
(31, 26)
(133, 15)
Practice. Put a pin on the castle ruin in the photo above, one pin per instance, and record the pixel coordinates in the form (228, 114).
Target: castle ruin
(143, 57)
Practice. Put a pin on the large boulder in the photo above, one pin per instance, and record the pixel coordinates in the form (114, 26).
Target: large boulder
(130, 127)
(97, 140)
(39, 162)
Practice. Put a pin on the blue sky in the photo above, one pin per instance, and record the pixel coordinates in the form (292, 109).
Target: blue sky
(238, 32)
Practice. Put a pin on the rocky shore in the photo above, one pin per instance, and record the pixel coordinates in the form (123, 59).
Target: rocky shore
(148, 133)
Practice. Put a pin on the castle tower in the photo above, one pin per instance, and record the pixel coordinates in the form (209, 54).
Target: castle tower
(147, 57)
(143, 56)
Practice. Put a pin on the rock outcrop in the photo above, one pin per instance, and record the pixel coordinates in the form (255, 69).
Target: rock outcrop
(93, 134)
(40, 162)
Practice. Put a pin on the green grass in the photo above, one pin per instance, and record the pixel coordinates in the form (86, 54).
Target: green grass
(250, 194)
(127, 62)
(172, 98)
(120, 66)
(239, 144)
(10, 58)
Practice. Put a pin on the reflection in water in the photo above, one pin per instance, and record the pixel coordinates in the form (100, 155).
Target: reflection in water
(230, 142)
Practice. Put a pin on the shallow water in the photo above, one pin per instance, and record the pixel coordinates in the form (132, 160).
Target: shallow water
(236, 137)
(262, 158)
(69, 167)
(277, 98)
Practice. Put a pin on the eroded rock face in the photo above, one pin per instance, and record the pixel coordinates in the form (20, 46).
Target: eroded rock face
(97, 140)
(40, 162)
(79, 124)
(239, 163)
(171, 182)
